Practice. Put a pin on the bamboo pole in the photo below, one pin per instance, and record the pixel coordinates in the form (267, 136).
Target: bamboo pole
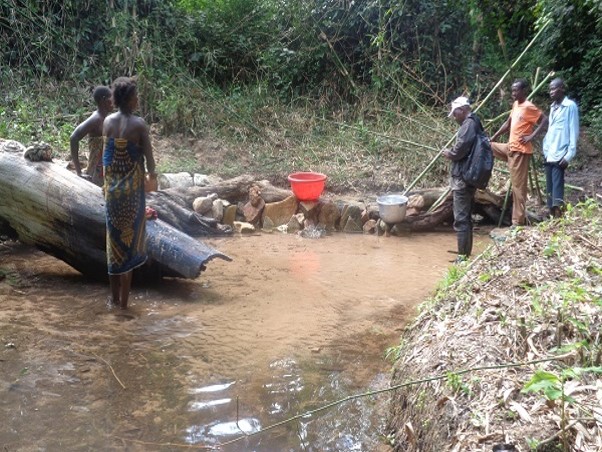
(536, 76)
(529, 97)
(516, 61)
(401, 140)
(505, 206)
(530, 177)
(437, 128)
(536, 180)
(338, 61)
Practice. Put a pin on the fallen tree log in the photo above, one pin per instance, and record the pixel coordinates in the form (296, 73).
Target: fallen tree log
(173, 211)
(428, 221)
(63, 215)
(486, 203)
(234, 190)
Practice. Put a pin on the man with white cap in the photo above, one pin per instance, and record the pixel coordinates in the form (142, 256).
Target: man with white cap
(463, 193)
(524, 118)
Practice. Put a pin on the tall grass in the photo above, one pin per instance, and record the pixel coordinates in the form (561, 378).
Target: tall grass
(368, 145)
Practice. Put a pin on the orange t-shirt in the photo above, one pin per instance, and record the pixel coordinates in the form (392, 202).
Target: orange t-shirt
(524, 118)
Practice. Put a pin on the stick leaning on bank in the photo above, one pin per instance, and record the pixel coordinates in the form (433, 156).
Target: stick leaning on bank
(483, 102)
(535, 90)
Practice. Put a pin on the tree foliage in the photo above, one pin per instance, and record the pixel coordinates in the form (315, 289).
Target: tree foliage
(574, 47)
(329, 49)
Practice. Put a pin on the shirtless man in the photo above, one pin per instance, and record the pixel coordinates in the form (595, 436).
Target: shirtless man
(93, 128)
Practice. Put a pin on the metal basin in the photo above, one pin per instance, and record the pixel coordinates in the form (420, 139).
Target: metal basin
(392, 208)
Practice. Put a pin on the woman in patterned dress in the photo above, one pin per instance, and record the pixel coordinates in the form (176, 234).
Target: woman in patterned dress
(127, 147)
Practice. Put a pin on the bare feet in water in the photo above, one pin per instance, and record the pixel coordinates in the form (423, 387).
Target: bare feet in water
(112, 303)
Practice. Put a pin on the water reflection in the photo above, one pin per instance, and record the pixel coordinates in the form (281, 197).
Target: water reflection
(287, 327)
(214, 433)
(198, 406)
(211, 388)
(285, 382)
(304, 264)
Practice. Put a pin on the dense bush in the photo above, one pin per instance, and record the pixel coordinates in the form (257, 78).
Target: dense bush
(402, 51)
(574, 46)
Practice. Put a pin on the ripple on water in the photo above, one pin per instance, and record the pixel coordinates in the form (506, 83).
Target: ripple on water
(286, 381)
(214, 432)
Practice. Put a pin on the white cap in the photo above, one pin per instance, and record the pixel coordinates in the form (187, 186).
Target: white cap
(457, 103)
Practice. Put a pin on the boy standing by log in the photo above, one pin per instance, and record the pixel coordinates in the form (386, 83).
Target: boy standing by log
(93, 128)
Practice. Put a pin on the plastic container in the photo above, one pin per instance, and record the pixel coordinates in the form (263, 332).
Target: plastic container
(392, 208)
(307, 185)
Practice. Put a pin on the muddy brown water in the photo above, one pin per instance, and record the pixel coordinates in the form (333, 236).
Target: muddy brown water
(290, 325)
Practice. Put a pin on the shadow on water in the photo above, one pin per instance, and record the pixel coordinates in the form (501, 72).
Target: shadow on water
(287, 327)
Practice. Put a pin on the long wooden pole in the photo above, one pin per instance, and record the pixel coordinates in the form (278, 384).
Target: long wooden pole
(493, 90)
(530, 96)
(505, 205)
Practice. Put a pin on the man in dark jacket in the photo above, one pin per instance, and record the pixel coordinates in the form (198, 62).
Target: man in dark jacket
(463, 194)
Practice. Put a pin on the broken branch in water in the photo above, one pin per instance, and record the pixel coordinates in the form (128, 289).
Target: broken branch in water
(112, 370)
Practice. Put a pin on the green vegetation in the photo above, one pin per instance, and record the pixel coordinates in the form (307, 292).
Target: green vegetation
(315, 85)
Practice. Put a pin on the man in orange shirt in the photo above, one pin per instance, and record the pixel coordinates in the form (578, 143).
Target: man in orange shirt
(517, 152)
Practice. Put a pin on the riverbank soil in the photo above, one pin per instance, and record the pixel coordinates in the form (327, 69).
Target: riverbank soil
(511, 347)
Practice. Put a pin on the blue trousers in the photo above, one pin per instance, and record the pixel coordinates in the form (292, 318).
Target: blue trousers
(554, 184)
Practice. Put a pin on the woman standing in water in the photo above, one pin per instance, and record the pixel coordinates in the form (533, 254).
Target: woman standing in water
(127, 146)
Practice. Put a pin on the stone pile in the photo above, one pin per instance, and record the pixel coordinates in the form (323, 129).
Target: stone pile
(249, 205)
(309, 219)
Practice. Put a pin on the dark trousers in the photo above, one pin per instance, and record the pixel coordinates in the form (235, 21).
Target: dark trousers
(554, 184)
(463, 202)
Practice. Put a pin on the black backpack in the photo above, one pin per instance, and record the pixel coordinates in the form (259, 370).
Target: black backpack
(478, 165)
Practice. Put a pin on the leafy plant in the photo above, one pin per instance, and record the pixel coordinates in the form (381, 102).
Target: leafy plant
(552, 247)
(457, 384)
(552, 385)
(546, 383)
(393, 353)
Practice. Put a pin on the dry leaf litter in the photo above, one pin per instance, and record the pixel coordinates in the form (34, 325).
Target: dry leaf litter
(536, 295)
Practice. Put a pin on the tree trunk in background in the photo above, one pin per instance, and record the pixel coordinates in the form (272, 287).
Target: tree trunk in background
(234, 190)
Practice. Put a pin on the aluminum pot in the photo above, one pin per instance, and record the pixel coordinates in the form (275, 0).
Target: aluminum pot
(392, 208)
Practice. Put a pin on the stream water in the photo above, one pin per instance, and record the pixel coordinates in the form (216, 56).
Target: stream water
(288, 326)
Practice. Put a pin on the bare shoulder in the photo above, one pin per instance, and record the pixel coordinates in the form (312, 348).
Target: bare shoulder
(140, 124)
(111, 117)
(109, 123)
(96, 121)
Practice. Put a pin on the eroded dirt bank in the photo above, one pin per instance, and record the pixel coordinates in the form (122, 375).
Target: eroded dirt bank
(537, 297)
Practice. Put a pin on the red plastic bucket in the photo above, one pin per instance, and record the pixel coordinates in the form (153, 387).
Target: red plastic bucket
(307, 185)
